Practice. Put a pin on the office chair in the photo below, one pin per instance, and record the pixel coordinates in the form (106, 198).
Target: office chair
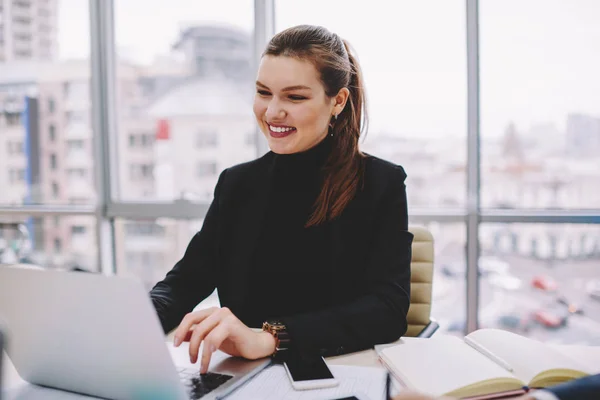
(419, 319)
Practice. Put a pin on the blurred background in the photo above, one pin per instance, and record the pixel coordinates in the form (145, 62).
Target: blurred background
(117, 116)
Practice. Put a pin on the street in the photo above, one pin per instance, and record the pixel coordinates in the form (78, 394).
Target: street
(514, 308)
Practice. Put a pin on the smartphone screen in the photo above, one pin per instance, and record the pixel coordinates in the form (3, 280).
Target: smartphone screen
(303, 368)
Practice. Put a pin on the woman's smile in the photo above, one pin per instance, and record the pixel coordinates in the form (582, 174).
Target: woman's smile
(280, 131)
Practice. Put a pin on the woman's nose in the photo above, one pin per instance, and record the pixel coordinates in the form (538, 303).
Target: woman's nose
(274, 111)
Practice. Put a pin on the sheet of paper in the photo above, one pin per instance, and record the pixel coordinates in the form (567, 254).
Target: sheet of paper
(365, 383)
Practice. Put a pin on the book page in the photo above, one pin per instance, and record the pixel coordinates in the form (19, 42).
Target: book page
(587, 355)
(526, 356)
(441, 364)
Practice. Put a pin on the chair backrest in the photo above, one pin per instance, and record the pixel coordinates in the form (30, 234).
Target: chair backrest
(421, 280)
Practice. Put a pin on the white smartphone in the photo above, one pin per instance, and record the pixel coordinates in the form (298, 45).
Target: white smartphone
(309, 373)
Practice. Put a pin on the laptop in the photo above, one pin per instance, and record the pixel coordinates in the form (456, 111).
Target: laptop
(100, 336)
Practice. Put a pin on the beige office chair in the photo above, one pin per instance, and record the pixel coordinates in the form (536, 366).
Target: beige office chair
(419, 319)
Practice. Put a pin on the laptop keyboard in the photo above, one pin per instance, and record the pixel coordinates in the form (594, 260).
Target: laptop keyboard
(198, 385)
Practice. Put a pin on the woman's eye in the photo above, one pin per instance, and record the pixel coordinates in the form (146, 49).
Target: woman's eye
(263, 92)
(292, 97)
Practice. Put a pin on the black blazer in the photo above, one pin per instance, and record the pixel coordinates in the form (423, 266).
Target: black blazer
(371, 252)
(587, 388)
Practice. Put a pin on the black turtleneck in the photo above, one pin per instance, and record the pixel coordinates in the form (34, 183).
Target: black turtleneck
(291, 268)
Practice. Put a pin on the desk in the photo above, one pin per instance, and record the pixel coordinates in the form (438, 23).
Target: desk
(180, 357)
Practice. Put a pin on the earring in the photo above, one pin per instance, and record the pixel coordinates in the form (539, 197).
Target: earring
(331, 124)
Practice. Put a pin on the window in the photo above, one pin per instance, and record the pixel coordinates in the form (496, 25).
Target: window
(51, 106)
(76, 173)
(53, 162)
(540, 115)
(207, 139)
(141, 140)
(13, 119)
(147, 250)
(55, 192)
(78, 230)
(15, 148)
(74, 145)
(173, 99)
(536, 279)
(141, 171)
(57, 245)
(52, 132)
(416, 86)
(16, 175)
(206, 169)
(144, 229)
(146, 140)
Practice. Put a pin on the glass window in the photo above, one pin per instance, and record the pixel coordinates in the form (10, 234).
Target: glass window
(207, 139)
(48, 242)
(415, 77)
(57, 245)
(36, 112)
(55, 191)
(541, 280)
(77, 230)
(147, 250)
(53, 163)
(449, 283)
(540, 114)
(176, 79)
(207, 169)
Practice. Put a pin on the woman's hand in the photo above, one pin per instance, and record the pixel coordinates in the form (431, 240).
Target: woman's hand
(219, 329)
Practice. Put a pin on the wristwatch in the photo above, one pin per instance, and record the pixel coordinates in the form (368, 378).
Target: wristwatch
(280, 333)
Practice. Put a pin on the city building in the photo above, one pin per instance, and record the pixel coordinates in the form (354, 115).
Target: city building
(28, 30)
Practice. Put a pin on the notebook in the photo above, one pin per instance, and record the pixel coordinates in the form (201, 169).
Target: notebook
(487, 363)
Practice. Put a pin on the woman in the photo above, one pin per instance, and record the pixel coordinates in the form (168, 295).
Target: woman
(310, 241)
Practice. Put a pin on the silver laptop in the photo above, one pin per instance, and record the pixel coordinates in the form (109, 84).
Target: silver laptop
(100, 336)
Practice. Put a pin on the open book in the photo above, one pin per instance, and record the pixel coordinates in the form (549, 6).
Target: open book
(486, 362)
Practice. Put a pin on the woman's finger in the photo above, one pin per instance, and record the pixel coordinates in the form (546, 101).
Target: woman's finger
(203, 329)
(186, 324)
(213, 341)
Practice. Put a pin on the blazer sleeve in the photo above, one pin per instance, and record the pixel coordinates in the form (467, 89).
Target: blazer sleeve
(193, 278)
(379, 315)
(587, 388)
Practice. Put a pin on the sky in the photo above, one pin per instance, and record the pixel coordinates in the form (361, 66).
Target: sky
(540, 59)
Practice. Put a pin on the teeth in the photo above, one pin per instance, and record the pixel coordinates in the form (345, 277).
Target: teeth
(280, 129)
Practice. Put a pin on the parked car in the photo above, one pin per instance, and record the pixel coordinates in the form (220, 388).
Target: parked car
(544, 282)
(573, 308)
(593, 289)
(514, 323)
(550, 318)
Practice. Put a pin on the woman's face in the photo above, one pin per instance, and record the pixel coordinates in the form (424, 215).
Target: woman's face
(291, 106)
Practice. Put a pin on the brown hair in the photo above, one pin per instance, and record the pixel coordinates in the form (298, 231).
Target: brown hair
(338, 68)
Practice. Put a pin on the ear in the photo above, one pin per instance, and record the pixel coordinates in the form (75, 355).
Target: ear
(340, 100)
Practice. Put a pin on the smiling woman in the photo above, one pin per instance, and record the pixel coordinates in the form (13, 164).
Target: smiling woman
(309, 241)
